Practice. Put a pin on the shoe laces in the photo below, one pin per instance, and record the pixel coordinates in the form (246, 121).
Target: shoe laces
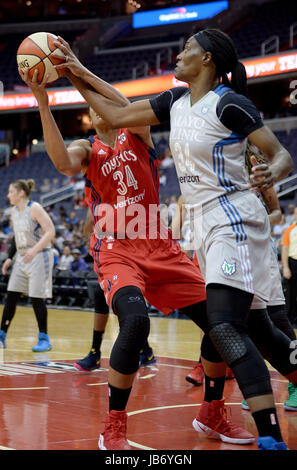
(116, 428)
(198, 366)
(223, 423)
(92, 352)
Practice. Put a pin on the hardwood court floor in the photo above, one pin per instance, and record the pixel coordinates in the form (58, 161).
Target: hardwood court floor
(46, 404)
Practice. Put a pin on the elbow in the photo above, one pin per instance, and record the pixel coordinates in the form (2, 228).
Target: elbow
(67, 171)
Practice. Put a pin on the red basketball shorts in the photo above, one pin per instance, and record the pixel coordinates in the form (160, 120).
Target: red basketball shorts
(165, 275)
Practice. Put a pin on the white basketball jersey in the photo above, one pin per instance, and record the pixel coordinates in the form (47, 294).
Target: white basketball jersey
(27, 232)
(205, 152)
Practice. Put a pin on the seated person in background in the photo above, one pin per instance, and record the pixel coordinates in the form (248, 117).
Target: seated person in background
(59, 241)
(290, 218)
(278, 231)
(46, 186)
(167, 162)
(72, 219)
(55, 184)
(66, 259)
(78, 263)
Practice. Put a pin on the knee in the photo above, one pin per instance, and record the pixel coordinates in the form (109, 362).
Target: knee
(100, 302)
(130, 306)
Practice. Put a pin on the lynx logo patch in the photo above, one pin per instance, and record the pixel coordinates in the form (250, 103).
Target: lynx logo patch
(205, 108)
(228, 268)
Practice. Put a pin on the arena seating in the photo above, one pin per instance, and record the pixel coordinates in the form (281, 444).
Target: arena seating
(261, 24)
(248, 35)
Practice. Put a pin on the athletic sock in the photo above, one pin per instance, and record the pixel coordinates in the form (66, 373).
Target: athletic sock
(118, 398)
(97, 340)
(267, 423)
(213, 388)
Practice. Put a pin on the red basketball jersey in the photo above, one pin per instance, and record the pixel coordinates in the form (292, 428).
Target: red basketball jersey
(122, 187)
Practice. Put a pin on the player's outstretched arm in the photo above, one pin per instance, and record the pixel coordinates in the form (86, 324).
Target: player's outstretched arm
(67, 162)
(138, 113)
(77, 69)
(80, 76)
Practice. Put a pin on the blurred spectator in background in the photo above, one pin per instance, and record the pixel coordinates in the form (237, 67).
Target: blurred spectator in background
(289, 261)
(50, 211)
(72, 219)
(67, 231)
(278, 231)
(78, 263)
(56, 254)
(46, 186)
(62, 211)
(79, 182)
(79, 244)
(167, 162)
(66, 259)
(79, 200)
(6, 227)
(290, 217)
(59, 241)
(55, 184)
(162, 178)
(161, 147)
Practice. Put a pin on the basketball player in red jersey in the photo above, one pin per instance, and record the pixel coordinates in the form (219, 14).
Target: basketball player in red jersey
(121, 175)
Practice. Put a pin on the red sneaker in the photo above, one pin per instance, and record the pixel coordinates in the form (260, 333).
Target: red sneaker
(211, 420)
(229, 374)
(196, 375)
(114, 434)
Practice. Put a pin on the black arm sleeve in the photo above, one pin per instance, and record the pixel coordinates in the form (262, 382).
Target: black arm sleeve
(162, 103)
(12, 249)
(239, 114)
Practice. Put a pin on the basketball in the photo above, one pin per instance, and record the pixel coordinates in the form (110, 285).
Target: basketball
(36, 52)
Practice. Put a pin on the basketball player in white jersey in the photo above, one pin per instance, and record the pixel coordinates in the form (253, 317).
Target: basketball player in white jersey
(32, 270)
(209, 123)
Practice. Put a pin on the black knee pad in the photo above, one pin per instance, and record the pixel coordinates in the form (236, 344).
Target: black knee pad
(239, 352)
(99, 301)
(130, 306)
(228, 342)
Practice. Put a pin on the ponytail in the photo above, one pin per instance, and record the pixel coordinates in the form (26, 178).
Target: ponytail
(239, 78)
(26, 185)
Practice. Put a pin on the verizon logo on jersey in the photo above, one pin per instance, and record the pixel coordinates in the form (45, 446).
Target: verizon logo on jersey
(130, 200)
(115, 162)
(190, 179)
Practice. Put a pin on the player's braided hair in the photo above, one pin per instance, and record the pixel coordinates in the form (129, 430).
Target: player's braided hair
(225, 57)
(249, 152)
(26, 185)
